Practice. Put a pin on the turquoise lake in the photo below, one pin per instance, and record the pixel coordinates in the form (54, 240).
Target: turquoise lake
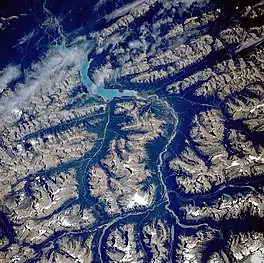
(108, 94)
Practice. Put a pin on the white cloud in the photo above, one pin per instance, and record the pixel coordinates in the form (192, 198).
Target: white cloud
(101, 76)
(27, 37)
(99, 4)
(124, 10)
(8, 74)
(188, 3)
(51, 69)
(111, 41)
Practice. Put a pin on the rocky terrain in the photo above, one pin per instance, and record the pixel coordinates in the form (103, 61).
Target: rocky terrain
(138, 139)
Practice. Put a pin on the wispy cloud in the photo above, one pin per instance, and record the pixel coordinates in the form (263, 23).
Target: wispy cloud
(26, 37)
(8, 74)
(188, 3)
(124, 10)
(111, 42)
(51, 69)
(99, 4)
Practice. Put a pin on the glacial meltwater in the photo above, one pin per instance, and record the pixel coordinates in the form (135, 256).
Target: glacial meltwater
(108, 94)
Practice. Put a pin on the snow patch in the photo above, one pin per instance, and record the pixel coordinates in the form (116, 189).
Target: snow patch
(256, 159)
(257, 107)
(257, 257)
(137, 200)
